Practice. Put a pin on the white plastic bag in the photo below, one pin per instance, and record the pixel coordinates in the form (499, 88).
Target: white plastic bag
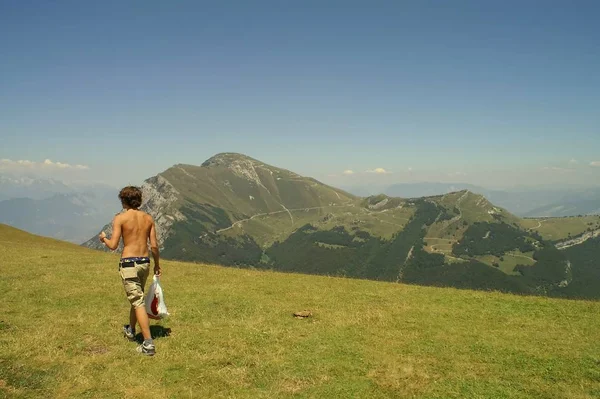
(155, 301)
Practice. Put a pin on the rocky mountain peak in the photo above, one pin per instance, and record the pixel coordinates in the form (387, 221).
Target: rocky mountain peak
(240, 165)
(228, 159)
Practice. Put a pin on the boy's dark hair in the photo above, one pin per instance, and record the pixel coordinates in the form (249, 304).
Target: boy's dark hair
(131, 196)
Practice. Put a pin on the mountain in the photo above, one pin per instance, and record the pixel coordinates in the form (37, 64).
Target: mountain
(31, 187)
(365, 190)
(53, 208)
(531, 202)
(553, 202)
(237, 211)
(69, 217)
(190, 201)
(583, 202)
(426, 189)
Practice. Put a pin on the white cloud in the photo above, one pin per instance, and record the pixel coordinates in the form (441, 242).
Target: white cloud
(24, 164)
(348, 172)
(595, 163)
(379, 171)
(573, 162)
(49, 164)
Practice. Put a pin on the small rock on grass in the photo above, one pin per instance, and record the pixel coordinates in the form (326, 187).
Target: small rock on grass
(303, 314)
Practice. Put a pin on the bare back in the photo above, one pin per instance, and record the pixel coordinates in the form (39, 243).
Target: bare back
(136, 228)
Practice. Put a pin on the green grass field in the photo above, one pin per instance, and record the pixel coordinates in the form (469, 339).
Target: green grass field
(508, 261)
(233, 335)
(266, 229)
(555, 229)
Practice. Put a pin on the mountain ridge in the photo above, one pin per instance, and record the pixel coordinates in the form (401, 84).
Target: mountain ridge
(534, 202)
(235, 210)
(201, 188)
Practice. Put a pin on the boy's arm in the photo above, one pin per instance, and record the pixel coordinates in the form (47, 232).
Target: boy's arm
(154, 249)
(113, 242)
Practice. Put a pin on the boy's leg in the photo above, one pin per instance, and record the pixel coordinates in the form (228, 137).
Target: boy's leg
(142, 318)
(140, 311)
(132, 318)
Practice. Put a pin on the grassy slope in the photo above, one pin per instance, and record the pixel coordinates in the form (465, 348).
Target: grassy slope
(272, 200)
(233, 335)
(219, 186)
(465, 208)
(266, 229)
(555, 229)
(509, 262)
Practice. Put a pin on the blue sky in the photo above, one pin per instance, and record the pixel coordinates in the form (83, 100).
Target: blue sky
(492, 93)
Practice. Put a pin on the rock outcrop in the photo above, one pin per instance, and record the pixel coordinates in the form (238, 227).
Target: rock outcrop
(158, 199)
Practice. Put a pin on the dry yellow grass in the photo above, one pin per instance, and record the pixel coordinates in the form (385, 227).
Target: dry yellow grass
(233, 335)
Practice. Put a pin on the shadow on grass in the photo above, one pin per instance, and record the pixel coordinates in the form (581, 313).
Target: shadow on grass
(155, 332)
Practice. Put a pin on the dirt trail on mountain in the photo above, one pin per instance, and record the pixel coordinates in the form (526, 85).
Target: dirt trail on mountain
(289, 211)
(393, 224)
(539, 225)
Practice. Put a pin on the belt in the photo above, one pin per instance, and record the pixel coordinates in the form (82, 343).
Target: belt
(131, 262)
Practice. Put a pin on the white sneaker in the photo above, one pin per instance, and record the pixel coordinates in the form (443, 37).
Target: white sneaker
(146, 349)
(127, 333)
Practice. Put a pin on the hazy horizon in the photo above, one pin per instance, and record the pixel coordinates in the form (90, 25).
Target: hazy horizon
(377, 183)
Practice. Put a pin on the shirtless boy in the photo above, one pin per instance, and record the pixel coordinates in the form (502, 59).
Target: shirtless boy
(136, 227)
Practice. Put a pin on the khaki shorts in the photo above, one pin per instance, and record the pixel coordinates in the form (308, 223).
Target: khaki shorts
(134, 280)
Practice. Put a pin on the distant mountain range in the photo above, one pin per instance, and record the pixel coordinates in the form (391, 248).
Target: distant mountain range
(43, 197)
(580, 202)
(29, 187)
(52, 208)
(238, 211)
